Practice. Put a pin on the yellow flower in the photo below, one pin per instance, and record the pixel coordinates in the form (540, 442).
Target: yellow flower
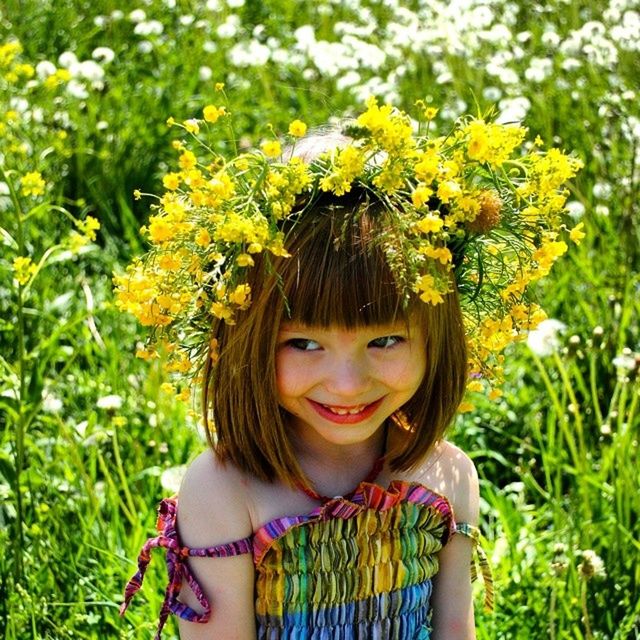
(192, 126)
(244, 260)
(171, 181)
(203, 238)
(187, 160)
(241, 296)
(428, 291)
(430, 223)
(171, 121)
(297, 128)
(137, 194)
(167, 387)
(494, 394)
(430, 113)
(466, 407)
(222, 311)
(168, 262)
(212, 113)
(421, 195)
(271, 148)
(219, 86)
(442, 254)
(23, 268)
(448, 190)
(88, 227)
(32, 184)
(475, 385)
(577, 234)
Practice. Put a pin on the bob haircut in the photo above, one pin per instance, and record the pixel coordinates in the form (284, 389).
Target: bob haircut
(339, 274)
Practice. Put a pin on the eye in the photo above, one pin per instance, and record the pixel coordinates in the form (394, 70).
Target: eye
(385, 342)
(302, 344)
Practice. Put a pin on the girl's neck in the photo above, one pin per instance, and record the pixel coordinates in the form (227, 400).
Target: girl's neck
(336, 469)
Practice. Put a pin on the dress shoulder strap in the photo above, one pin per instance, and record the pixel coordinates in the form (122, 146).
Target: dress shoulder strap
(177, 567)
(479, 562)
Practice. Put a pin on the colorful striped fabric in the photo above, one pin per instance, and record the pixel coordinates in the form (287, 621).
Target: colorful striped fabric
(354, 568)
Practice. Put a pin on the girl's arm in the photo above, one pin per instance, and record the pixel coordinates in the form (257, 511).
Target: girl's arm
(212, 510)
(452, 597)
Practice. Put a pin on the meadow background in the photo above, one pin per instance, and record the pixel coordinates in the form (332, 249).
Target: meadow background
(92, 438)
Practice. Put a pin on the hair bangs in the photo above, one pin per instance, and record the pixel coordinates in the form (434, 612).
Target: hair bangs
(339, 275)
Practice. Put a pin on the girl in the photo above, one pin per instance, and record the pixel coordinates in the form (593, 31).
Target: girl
(329, 504)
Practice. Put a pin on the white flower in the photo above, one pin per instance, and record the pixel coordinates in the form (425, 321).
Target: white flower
(349, 79)
(592, 565)
(539, 69)
(90, 70)
(116, 15)
(137, 15)
(305, 37)
(229, 28)
(44, 69)
(104, 54)
(492, 94)
(575, 209)
(145, 46)
(67, 59)
(249, 54)
(551, 39)
(186, 20)
(149, 28)
(602, 190)
(544, 339)
(50, 403)
(112, 401)
(205, 73)
(77, 90)
(513, 109)
(626, 361)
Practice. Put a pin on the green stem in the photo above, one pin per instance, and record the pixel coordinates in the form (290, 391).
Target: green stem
(594, 387)
(20, 423)
(585, 611)
(121, 474)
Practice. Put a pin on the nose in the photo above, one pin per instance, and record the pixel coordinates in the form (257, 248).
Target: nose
(348, 377)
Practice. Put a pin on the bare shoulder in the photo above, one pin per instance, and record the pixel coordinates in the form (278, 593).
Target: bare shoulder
(212, 503)
(212, 510)
(450, 471)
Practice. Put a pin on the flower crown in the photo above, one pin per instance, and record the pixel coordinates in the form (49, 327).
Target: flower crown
(479, 203)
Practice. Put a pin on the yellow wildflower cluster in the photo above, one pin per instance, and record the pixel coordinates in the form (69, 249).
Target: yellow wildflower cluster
(23, 269)
(474, 206)
(32, 184)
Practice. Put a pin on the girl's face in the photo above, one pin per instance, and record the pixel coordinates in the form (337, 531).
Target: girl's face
(340, 385)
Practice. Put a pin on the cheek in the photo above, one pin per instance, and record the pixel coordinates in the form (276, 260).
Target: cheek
(290, 376)
(407, 372)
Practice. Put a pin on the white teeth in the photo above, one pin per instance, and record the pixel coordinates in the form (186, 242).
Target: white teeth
(344, 412)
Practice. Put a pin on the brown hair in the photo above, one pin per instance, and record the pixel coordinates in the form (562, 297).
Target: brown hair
(339, 273)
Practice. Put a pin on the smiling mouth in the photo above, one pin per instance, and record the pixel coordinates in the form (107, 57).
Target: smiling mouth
(345, 415)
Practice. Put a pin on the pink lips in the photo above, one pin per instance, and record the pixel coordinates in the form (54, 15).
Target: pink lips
(346, 418)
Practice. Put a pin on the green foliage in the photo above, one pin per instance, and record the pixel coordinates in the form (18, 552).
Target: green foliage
(89, 436)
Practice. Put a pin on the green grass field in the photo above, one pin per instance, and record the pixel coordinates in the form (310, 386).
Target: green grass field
(90, 437)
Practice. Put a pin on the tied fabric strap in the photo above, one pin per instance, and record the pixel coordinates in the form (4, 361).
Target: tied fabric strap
(177, 567)
(479, 560)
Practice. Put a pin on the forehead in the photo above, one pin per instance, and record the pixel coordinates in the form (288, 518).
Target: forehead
(409, 326)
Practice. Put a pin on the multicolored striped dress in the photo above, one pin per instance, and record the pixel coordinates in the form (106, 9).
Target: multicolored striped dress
(357, 567)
